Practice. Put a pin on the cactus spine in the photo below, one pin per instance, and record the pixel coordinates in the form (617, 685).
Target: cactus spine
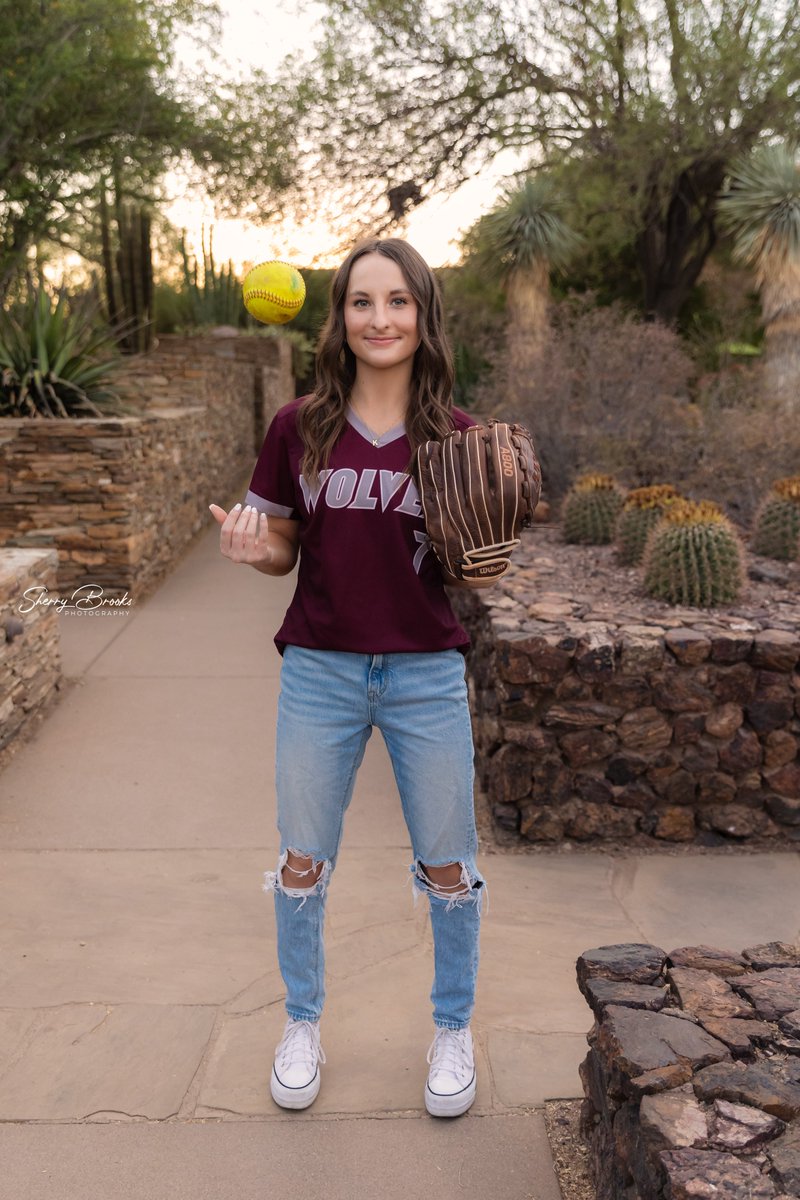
(777, 524)
(641, 510)
(591, 508)
(694, 556)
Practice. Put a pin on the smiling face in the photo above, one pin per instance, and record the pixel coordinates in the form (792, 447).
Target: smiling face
(380, 313)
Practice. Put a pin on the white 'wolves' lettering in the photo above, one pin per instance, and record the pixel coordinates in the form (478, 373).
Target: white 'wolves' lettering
(346, 488)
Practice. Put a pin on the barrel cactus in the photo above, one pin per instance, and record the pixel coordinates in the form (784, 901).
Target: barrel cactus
(591, 508)
(776, 533)
(641, 510)
(694, 556)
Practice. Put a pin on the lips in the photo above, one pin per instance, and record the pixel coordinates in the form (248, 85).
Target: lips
(381, 341)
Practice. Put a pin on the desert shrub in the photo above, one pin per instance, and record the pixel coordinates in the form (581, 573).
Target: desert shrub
(610, 394)
(172, 311)
(748, 441)
(721, 320)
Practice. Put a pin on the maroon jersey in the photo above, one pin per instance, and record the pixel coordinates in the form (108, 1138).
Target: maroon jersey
(368, 580)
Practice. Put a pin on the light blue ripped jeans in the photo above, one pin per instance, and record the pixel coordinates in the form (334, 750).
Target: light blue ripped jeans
(329, 702)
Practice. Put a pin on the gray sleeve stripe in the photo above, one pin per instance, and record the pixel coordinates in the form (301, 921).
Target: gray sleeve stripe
(267, 506)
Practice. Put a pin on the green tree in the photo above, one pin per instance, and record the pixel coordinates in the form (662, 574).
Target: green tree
(761, 206)
(641, 105)
(89, 89)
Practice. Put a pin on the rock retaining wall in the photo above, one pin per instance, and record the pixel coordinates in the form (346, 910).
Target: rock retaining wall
(175, 372)
(648, 723)
(111, 503)
(120, 498)
(692, 1080)
(30, 659)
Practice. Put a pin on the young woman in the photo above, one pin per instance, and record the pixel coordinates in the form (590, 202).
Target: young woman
(369, 639)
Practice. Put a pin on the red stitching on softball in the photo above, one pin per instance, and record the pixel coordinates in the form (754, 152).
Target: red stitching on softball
(259, 294)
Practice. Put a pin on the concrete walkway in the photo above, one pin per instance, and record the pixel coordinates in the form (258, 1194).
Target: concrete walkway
(140, 1000)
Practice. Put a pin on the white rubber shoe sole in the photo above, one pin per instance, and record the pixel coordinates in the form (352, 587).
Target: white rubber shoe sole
(294, 1097)
(450, 1105)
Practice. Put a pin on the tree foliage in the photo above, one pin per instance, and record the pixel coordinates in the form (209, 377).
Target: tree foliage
(637, 105)
(89, 88)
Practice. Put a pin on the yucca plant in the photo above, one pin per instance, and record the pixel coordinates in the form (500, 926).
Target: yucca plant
(776, 532)
(591, 508)
(694, 556)
(56, 360)
(761, 207)
(641, 510)
(522, 239)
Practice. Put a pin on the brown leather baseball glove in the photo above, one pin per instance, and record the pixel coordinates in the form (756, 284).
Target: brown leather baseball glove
(479, 487)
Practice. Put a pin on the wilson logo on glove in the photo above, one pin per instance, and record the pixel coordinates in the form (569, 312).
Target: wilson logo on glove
(478, 487)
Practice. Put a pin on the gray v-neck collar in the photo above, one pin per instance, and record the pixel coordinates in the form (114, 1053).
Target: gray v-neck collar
(391, 435)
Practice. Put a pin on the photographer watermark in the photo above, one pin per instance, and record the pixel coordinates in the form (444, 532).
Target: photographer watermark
(86, 601)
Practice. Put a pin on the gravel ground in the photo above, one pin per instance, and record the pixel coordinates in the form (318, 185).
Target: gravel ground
(570, 1154)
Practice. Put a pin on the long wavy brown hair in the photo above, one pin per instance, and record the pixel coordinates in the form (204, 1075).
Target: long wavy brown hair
(321, 417)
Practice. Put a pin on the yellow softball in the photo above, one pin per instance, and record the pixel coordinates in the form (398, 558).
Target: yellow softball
(273, 292)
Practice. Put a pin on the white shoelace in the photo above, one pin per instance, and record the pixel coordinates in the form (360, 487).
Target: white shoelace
(300, 1045)
(450, 1051)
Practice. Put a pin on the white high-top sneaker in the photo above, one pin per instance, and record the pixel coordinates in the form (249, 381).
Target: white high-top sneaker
(295, 1078)
(451, 1084)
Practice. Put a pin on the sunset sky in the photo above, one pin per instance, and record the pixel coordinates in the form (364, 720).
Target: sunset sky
(261, 34)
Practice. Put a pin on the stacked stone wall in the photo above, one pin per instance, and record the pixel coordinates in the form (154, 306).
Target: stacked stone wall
(270, 358)
(692, 1080)
(678, 727)
(120, 498)
(30, 658)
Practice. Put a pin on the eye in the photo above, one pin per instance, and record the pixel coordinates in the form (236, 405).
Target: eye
(401, 299)
(359, 301)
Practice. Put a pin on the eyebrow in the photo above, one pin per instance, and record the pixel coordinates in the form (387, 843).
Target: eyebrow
(393, 292)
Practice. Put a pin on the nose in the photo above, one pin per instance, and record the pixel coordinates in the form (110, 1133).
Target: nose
(380, 317)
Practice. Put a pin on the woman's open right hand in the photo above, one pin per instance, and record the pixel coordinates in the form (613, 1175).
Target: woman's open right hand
(243, 534)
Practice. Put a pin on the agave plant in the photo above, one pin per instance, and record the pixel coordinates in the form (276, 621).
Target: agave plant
(762, 209)
(55, 360)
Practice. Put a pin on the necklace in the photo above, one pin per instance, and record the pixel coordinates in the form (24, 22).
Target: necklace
(375, 437)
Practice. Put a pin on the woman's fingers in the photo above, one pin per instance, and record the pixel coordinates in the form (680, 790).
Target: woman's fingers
(243, 536)
(242, 527)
